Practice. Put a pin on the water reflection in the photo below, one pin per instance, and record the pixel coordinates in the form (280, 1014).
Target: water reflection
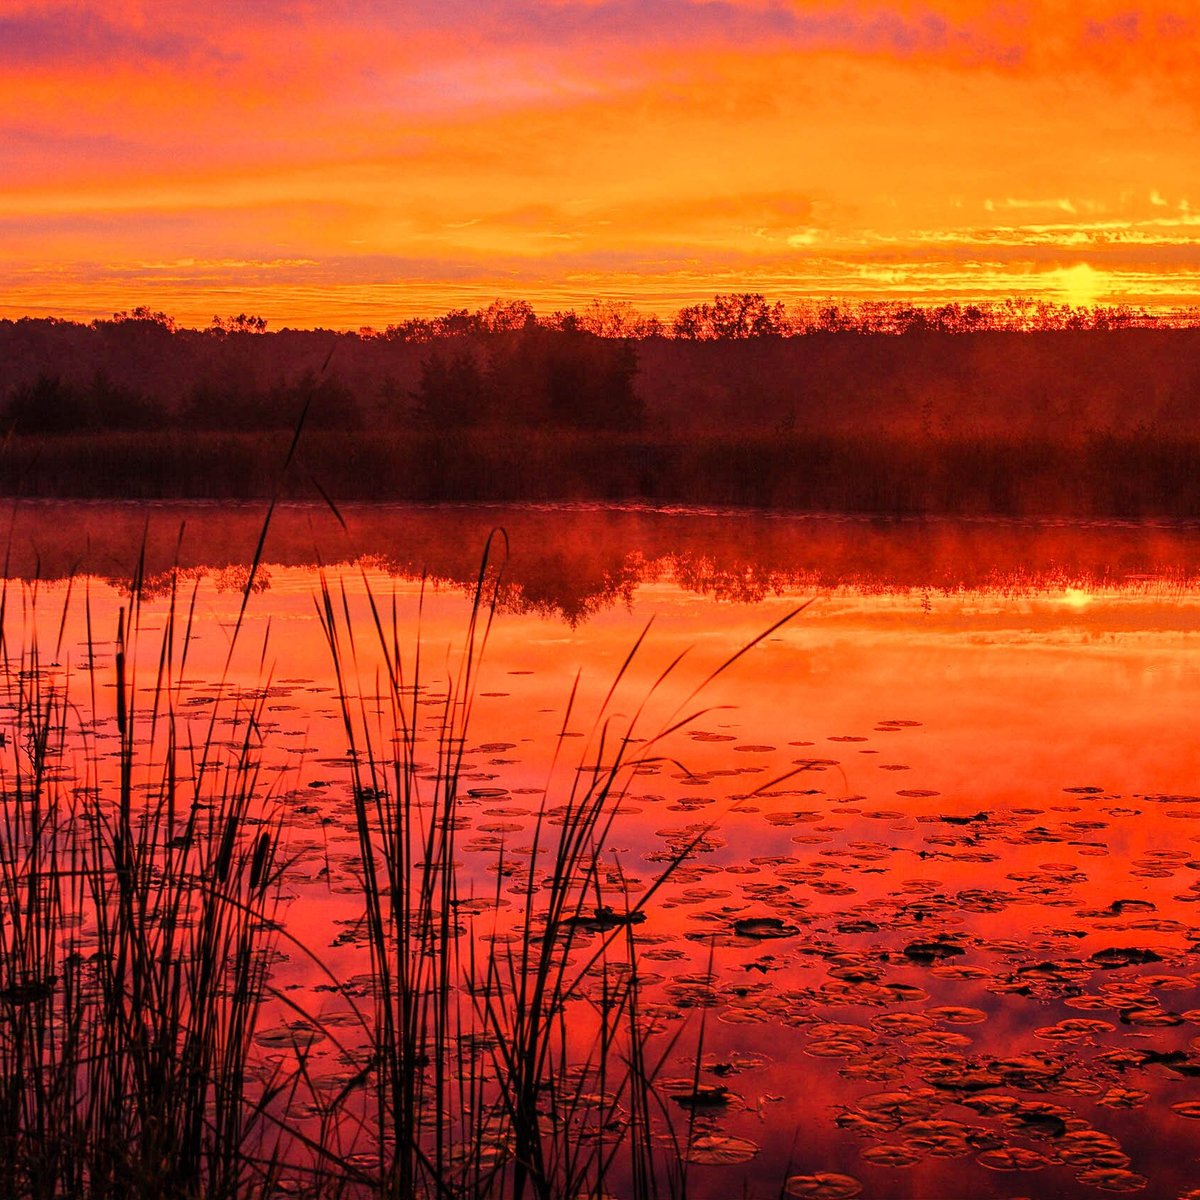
(935, 933)
(577, 560)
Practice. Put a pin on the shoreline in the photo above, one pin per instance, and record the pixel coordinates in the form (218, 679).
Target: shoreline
(1104, 475)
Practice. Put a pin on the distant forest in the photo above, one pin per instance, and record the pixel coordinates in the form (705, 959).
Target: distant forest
(738, 363)
(1017, 407)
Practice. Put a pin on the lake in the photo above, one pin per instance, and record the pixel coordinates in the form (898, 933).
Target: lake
(907, 888)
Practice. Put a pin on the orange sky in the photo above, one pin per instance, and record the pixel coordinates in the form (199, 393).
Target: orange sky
(360, 162)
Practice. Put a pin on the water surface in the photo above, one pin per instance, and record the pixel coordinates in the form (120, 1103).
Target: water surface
(938, 932)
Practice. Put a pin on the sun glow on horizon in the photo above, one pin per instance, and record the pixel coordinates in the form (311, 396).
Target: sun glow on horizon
(1081, 285)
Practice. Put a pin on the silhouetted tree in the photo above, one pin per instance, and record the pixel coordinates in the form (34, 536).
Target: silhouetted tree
(242, 323)
(507, 316)
(451, 393)
(47, 405)
(326, 400)
(564, 378)
(229, 405)
(458, 322)
(111, 406)
(50, 405)
(617, 319)
(734, 315)
(226, 403)
(590, 383)
(417, 329)
(142, 315)
(690, 323)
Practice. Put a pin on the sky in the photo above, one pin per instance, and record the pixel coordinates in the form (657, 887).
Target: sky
(356, 162)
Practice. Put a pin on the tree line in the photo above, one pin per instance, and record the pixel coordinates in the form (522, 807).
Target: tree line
(735, 316)
(729, 315)
(527, 375)
(499, 366)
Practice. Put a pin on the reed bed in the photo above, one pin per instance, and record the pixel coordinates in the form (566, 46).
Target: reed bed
(138, 908)
(1125, 474)
(142, 856)
(514, 1065)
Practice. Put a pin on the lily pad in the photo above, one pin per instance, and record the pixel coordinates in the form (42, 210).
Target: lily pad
(718, 1150)
(826, 1185)
(763, 928)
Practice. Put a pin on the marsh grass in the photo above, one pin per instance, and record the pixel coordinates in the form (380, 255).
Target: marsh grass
(501, 1065)
(1127, 474)
(138, 904)
(141, 859)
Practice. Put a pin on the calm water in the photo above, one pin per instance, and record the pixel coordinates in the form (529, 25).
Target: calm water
(939, 934)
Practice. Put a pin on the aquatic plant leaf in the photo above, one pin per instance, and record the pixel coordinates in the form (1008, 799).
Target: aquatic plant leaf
(826, 1185)
(719, 1150)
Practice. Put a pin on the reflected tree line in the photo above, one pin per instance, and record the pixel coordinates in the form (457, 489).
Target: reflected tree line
(574, 563)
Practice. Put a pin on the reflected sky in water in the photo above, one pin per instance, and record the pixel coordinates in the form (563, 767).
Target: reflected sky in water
(959, 783)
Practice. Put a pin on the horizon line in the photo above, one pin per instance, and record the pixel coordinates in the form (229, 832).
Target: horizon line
(793, 318)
